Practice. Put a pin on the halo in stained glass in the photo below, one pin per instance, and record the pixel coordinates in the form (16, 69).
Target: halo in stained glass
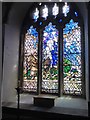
(50, 59)
(72, 82)
(30, 60)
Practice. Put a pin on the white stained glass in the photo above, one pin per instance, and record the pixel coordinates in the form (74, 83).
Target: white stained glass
(65, 9)
(36, 14)
(40, 3)
(45, 12)
(55, 10)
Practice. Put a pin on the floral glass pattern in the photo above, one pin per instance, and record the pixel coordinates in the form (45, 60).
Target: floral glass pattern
(50, 59)
(30, 64)
(72, 83)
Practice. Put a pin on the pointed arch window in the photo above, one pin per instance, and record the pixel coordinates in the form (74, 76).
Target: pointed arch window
(53, 52)
(50, 59)
(72, 58)
(30, 69)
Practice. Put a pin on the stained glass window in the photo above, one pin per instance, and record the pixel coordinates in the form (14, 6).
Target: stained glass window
(55, 10)
(72, 81)
(65, 9)
(58, 59)
(50, 59)
(45, 12)
(30, 60)
(36, 15)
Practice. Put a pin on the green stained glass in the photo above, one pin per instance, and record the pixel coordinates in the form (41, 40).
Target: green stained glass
(67, 68)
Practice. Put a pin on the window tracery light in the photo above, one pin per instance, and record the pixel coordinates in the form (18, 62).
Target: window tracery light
(40, 3)
(60, 20)
(36, 14)
(76, 14)
(55, 10)
(45, 12)
(65, 9)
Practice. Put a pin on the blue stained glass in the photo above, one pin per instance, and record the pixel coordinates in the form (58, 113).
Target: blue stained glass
(50, 59)
(40, 23)
(60, 20)
(71, 47)
(76, 14)
(50, 28)
(32, 31)
(75, 59)
(70, 26)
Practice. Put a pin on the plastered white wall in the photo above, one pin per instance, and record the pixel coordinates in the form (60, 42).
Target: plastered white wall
(10, 68)
(11, 51)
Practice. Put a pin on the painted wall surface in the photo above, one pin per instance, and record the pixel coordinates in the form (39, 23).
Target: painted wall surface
(0, 55)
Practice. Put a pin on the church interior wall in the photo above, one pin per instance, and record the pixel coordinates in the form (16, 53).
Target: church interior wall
(11, 49)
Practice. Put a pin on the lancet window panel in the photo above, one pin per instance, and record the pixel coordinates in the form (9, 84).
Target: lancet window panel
(50, 59)
(72, 72)
(30, 65)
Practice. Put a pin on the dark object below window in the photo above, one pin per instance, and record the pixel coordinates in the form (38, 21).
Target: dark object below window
(44, 101)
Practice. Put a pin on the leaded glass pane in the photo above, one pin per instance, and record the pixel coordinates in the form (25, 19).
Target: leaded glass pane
(30, 60)
(36, 14)
(65, 9)
(50, 59)
(55, 10)
(45, 12)
(72, 85)
(72, 59)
